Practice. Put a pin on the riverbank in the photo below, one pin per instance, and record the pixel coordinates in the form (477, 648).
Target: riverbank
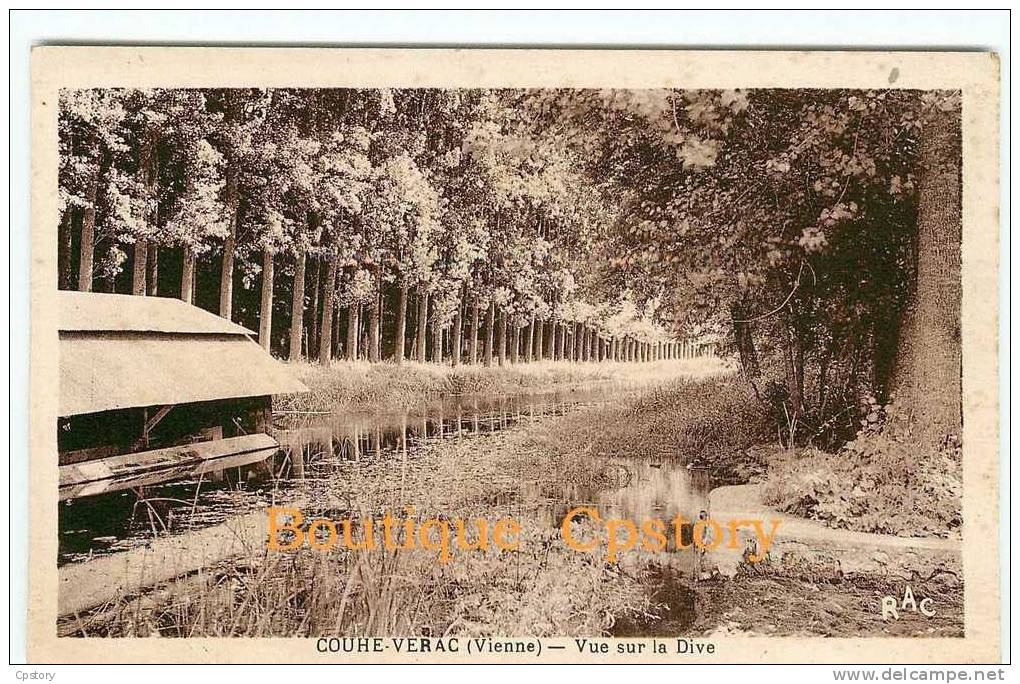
(541, 589)
(530, 472)
(366, 387)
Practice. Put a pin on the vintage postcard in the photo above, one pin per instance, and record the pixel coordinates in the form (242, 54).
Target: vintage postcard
(561, 356)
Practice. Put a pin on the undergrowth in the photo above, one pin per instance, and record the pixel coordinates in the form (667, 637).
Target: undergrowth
(888, 480)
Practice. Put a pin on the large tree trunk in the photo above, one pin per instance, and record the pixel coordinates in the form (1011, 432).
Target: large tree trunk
(297, 307)
(473, 347)
(150, 179)
(423, 317)
(230, 243)
(926, 379)
(794, 360)
(87, 246)
(187, 274)
(266, 309)
(363, 342)
(398, 343)
(353, 323)
(437, 339)
(374, 315)
(138, 269)
(457, 333)
(152, 270)
(529, 341)
(64, 251)
(312, 340)
(109, 280)
(538, 351)
(502, 338)
(744, 340)
(490, 322)
(326, 329)
(515, 345)
(336, 331)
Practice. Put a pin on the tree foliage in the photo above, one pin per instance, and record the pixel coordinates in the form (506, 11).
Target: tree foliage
(781, 223)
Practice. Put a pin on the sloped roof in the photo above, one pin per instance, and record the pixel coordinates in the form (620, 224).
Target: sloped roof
(119, 351)
(92, 311)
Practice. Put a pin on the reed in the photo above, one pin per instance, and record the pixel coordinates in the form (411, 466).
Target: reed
(543, 589)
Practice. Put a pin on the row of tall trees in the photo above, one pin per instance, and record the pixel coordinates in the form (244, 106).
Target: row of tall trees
(813, 233)
(377, 224)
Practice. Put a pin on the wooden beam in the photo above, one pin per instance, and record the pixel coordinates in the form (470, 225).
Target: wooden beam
(150, 423)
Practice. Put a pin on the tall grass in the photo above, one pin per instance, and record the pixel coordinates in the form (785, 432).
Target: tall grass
(543, 589)
(385, 386)
(715, 421)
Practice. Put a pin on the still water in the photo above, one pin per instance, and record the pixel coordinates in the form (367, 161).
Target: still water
(320, 447)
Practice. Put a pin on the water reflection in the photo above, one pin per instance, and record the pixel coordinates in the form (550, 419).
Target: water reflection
(322, 447)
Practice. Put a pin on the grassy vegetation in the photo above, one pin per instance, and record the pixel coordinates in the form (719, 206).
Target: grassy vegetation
(543, 589)
(384, 386)
(715, 422)
(883, 481)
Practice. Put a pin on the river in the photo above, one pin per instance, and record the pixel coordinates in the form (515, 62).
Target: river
(319, 448)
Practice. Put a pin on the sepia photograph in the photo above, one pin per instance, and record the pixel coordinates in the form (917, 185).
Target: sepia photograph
(409, 370)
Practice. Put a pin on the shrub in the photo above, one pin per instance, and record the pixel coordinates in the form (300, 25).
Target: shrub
(886, 480)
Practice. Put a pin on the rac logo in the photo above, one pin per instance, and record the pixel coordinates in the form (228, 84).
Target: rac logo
(891, 606)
